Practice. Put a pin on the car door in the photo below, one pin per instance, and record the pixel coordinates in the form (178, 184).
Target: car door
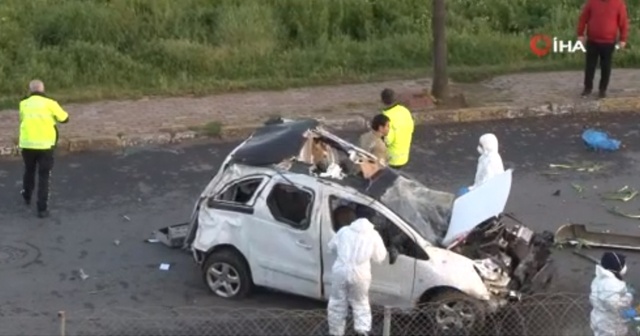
(284, 238)
(222, 215)
(391, 285)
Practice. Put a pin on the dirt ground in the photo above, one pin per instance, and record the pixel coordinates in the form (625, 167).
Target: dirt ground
(149, 115)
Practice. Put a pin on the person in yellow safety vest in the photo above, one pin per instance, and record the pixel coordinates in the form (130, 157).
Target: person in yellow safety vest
(38, 138)
(398, 139)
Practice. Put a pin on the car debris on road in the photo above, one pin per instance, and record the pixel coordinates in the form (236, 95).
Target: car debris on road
(577, 234)
(624, 194)
(616, 211)
(83, 276)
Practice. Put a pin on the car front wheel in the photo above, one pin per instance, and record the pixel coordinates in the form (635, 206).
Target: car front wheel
(455, 313)
(227, 275)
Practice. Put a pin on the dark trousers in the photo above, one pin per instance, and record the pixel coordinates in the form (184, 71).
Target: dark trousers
(604, 53)
(40, 161)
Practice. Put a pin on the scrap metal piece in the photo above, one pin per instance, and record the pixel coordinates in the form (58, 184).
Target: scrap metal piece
(577, 233)
(624, 194)
(582, 167)
(617, 212)
(579, 189)
(562, 166)
(172, 236)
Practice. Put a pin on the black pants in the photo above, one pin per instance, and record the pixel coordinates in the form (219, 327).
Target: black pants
(41, 161)
(604, 53)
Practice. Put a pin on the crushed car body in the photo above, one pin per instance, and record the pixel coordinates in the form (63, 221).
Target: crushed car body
(266, 217)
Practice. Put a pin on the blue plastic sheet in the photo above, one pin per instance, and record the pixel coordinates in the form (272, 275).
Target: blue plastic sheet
(599, 140)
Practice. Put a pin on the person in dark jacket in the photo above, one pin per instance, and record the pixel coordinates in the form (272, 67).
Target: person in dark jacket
(603, 20)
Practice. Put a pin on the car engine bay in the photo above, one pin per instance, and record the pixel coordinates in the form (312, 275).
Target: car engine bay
(511, 258)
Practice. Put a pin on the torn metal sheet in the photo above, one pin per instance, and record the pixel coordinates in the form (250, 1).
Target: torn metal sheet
(577, 234)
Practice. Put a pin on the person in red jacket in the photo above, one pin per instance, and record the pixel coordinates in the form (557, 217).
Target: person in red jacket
(603, 20)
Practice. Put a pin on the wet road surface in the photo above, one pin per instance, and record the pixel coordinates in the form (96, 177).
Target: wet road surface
(98, 198)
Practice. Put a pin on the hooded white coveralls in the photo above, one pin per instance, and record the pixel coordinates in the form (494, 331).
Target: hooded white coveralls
(609, 297)
(489, 162)
(356, 245)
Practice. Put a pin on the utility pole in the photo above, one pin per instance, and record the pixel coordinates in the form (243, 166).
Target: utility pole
(440, 86)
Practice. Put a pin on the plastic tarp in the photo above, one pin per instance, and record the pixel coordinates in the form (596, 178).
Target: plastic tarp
(599, 140)
(427, 211)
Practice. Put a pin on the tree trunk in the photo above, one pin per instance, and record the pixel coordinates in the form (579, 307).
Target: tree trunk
(440, 86)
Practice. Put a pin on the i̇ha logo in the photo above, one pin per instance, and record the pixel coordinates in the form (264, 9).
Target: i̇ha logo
(541, 45)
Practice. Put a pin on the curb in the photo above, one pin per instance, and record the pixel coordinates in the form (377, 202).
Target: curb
(352, 123)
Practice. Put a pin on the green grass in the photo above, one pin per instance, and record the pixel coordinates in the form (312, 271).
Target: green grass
(99, 49)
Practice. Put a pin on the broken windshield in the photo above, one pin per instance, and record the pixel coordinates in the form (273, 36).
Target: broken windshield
(426, 211)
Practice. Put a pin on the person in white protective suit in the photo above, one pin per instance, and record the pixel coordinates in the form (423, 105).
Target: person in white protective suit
(610, 296)
(489, 162)
(356, 246)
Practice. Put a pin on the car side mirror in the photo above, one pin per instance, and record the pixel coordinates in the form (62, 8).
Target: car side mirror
(393, 255)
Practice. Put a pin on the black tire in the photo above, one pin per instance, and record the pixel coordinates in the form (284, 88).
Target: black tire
(455, 300)
(237, 267)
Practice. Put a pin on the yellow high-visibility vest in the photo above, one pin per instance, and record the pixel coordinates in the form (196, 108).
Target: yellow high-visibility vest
(38, 117)
(400, 134)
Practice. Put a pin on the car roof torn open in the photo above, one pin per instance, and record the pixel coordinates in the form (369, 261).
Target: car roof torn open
(305, 148)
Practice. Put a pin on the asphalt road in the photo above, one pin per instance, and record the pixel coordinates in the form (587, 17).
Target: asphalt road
(99, 198)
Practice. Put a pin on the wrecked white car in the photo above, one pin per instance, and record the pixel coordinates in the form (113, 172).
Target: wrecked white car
(266, 217)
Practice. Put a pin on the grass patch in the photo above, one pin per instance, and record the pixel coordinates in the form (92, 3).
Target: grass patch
(113, 49)
(211, 129)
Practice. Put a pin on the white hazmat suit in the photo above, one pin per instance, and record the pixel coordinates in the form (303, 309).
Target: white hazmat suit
(356, 245)
(609, 297)
(489, 162)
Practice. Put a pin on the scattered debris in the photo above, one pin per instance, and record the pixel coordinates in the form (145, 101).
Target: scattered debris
(624, 194)
(152, 240)
(563, 166)
(126, 218)
(173, 236)
(578, 188)
(333, 171)
(82, 274)
(116, 242)
(556, 193)
(587, 257)
(599, 140)
(617, 212)
(589, 167)
(577, 234)
(164, 267)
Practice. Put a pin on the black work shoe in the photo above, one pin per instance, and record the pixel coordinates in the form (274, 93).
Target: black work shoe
(27, 199)
(43, 213)
(585, 93)
(602, 94)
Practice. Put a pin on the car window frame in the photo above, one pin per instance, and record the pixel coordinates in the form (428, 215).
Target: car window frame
(283, 221)
(213, 202)
(377, 207)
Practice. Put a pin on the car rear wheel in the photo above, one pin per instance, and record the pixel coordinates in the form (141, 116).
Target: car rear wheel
(227, 275)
